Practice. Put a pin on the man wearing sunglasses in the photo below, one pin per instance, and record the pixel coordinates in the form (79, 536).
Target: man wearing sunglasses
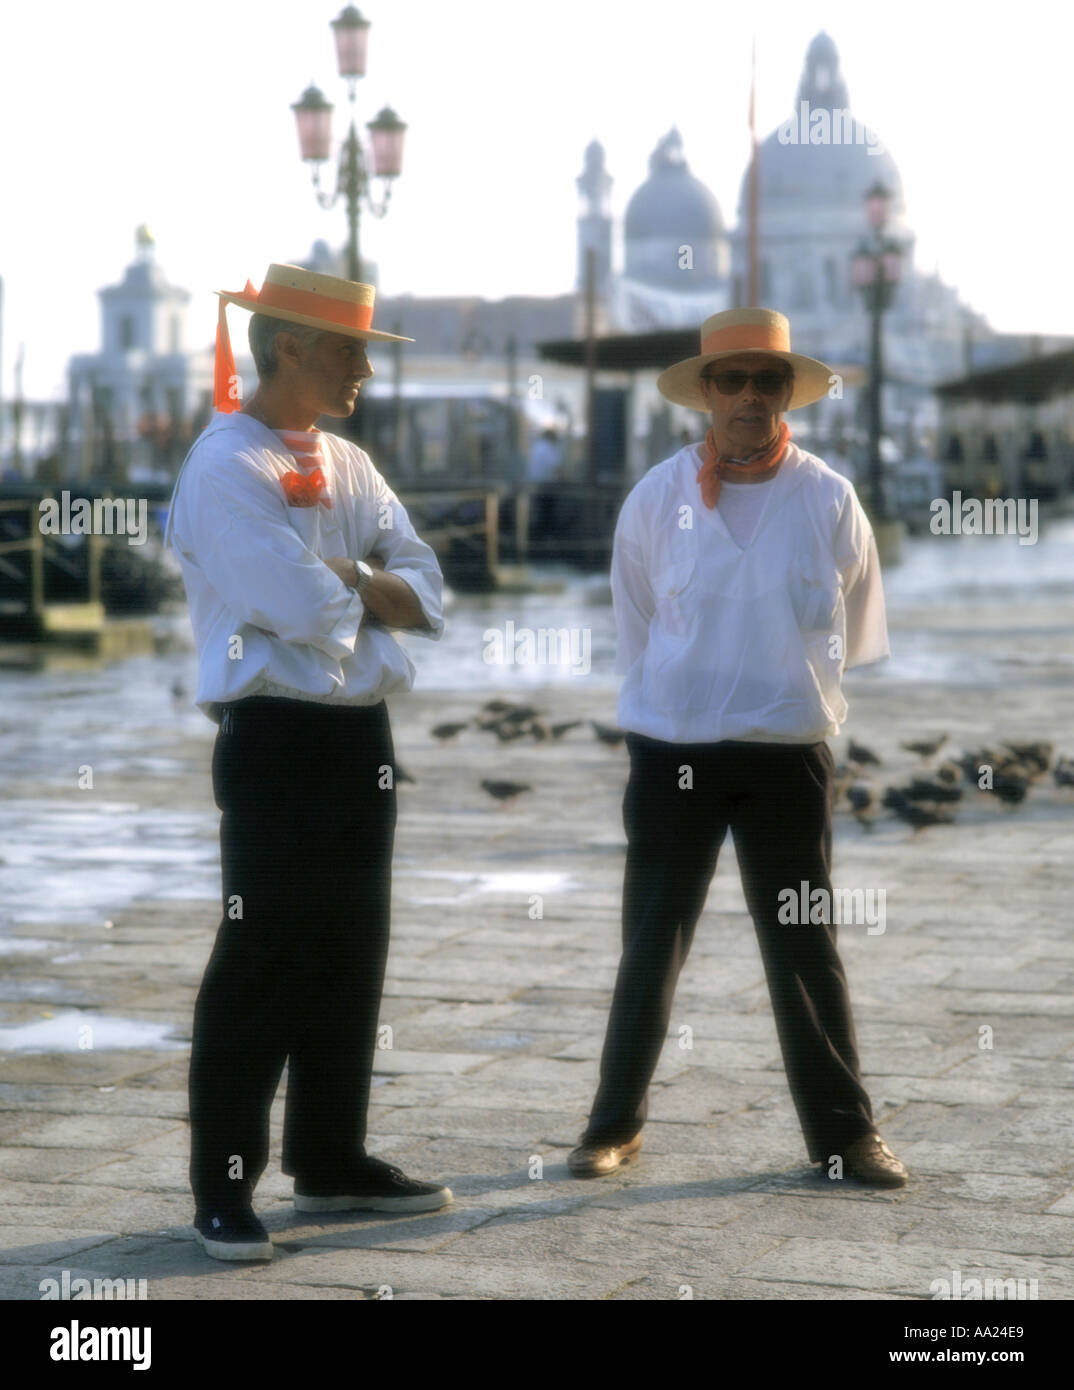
(746, 580)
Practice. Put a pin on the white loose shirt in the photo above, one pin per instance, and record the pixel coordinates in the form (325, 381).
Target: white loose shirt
(741, 505)
(254, 569)
(719, 640)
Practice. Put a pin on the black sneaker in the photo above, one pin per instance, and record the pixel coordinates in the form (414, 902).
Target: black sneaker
(229, 1233)
(371, 1185)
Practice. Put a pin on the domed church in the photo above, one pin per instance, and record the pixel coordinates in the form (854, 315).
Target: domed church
(676, 249)
(682, 264)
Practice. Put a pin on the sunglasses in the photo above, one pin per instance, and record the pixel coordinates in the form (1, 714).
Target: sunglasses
(731, 383)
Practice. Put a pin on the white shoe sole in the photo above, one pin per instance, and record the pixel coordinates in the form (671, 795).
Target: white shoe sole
(430, 1201)
(230, 1250)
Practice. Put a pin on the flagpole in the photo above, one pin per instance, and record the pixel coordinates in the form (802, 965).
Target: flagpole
(753, 292)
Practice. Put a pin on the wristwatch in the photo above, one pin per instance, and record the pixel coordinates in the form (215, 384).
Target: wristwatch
(363, 575)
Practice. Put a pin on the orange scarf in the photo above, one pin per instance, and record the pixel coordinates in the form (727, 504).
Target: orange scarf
(717, 466)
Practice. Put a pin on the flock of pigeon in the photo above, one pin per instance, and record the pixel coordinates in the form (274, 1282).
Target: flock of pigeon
(931, 797)
(510, 722)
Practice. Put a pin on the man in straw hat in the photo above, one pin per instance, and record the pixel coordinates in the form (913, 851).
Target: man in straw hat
(298, 559)
(745, 580)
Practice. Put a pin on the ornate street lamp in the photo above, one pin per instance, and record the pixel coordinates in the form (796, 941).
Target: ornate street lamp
(875, 271)
(313, 117)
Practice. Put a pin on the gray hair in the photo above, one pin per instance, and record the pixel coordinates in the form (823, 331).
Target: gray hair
(263, 331)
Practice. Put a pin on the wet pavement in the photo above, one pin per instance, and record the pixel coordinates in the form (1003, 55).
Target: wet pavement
(963, 1003)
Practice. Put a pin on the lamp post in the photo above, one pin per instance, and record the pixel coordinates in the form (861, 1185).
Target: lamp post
(313, 117)
(875, 271)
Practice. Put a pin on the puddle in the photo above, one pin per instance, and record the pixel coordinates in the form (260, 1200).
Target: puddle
(77, 1031)
(518, 881)
(78, 863)
(20, 945)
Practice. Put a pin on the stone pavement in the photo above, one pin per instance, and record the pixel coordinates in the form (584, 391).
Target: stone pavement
(497, 1016)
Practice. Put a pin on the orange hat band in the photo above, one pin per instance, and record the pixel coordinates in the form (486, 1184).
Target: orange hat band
(316, 306)
(745, 337)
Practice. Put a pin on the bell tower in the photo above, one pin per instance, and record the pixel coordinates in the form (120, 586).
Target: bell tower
(594, 186)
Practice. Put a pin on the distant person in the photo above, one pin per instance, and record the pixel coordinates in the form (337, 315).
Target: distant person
(298, 559)
(545, 467)
(546, 458)
(745, 580)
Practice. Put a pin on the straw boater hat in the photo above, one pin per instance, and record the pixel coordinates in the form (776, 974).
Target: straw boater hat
(744, 330)
(318, 301)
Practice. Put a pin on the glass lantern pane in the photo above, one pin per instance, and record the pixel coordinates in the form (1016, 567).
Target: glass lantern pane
(862, 270)
(315, 132)
(387, 152)
(351, 49)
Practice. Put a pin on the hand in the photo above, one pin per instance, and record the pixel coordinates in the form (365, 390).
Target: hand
(344, 568)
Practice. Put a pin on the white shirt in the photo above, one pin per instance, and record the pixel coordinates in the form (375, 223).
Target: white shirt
(545, 458)
(267, 612)
(741, 505)
(719, 640)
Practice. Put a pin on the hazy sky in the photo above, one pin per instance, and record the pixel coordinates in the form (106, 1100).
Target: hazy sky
(118, 112)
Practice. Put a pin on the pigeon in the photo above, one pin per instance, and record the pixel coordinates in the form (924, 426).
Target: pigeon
(913, 814)
(444, 731)
(558, 730)
(505, 791)
(1064, 772)
(1010, 784)
(858, 753)
(612, 737)
(920, 789)
(496, 707)
(519, 714)
(507, 733)
(1035, 758)
(862, 803)
(925, 748)
(972, 763)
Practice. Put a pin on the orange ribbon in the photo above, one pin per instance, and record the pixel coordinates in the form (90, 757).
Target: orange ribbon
(226, 395)
(717, 466)
(305, 489)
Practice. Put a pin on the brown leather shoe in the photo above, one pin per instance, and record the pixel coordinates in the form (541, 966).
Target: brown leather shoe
(870, 1160)
(597, 1160)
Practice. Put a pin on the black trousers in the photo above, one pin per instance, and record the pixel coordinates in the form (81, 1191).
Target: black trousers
(297, 969)
(776, 800)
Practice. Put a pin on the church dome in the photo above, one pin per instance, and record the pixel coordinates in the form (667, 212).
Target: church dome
(671, 202)
(669, 212)
(821, 159)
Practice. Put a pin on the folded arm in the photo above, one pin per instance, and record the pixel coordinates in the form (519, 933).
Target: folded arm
(235, 529)
(406, 590)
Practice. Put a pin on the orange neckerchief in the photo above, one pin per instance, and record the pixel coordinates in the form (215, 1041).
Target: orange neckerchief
(718, 466)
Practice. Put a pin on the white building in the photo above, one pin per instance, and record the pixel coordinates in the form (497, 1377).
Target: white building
(136, 401)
